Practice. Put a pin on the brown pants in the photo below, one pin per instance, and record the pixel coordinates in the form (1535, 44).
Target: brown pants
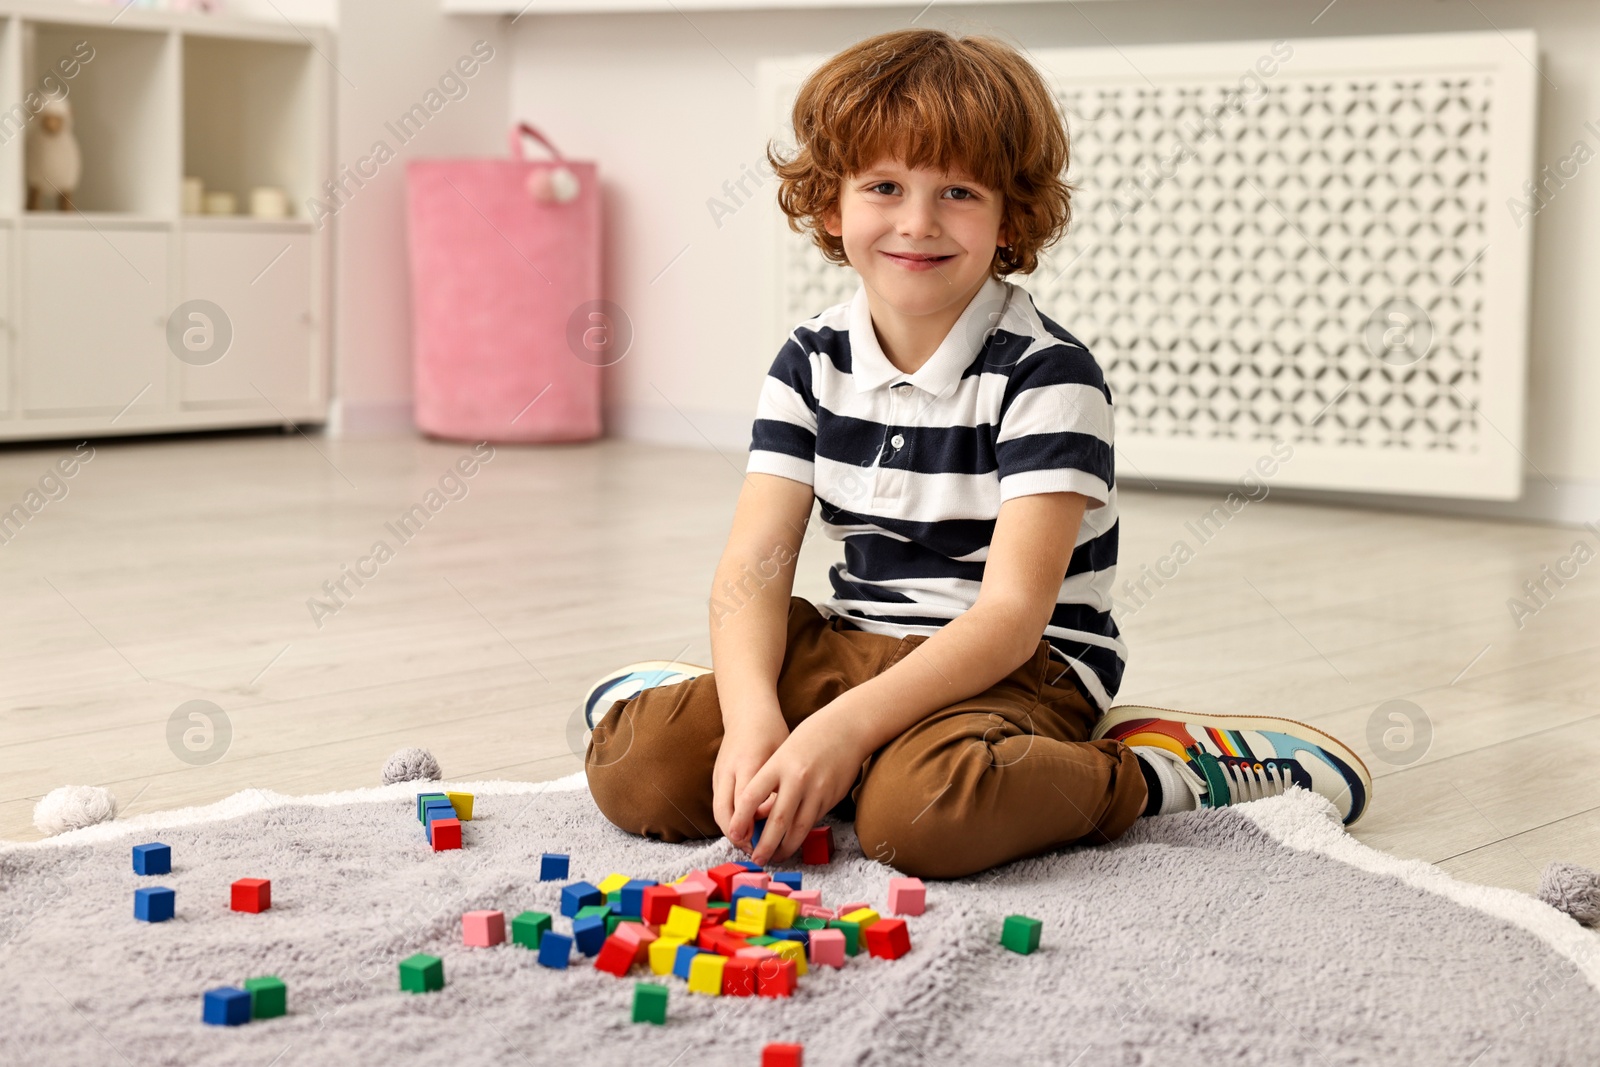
(1001, 775)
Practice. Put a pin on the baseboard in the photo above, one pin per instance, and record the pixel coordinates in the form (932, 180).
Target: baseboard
(687, 427)
(1564, 503)
(370, 419)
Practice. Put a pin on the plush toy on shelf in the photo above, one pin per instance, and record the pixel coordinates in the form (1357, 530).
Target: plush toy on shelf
(54, 163)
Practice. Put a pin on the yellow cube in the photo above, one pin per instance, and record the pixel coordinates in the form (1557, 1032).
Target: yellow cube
(755, 913)
(744, 929)
(784, 912)
(664, 953)
(612, 882)
(862, 917)
(705, 974)
(683, 923)
(462, 802)
(792, 950)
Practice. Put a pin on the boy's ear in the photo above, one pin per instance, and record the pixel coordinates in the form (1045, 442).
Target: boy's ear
(831, 221)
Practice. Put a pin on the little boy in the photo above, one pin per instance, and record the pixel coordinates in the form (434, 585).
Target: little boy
(953, 695)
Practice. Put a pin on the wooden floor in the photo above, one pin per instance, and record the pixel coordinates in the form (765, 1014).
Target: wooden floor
(183, 569)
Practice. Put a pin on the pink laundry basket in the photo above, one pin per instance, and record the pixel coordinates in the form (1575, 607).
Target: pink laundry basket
(505, 295)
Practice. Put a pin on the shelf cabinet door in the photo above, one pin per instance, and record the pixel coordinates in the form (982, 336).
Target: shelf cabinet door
(93, 320)
(262, 282)
(6, 326)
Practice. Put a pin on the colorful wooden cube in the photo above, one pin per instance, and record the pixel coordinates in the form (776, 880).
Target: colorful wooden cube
(682, 922)
(743, 929)
(810, 923)
(577, 896)
(424, 799)
(555, 951)
(806, 898)
(818, 845)
(694, 895)
(851, 932)
(907, 896)
(756, 832)
(826, 948)
(782, 911)
(483, 928)
(846, 909)
(633, 897)
(152, 858)
(683, 959)
(888, 938)
(657, 902)
(794, 951)
(589, 934)
(252, 895)
(813, 911)
(616, 956)
(749, 865)
(722, 877)
(650, 1003)
(862, 917)
(739, 977)
(269, 997)
(756, 914)
(663, 954)
(155, 904)
(775, 977)
(778, 889)
(421, 973)
(462, 802)
(226, 1006)
(758, 879)
(437, 809)
(791, 934)
(613, 883)
(529, 927)
(553, 866)
(1020, 934)
(444, 834)
(789, 878)
(639, 936)
(705, 974)
(755, 952)
(778, 1054)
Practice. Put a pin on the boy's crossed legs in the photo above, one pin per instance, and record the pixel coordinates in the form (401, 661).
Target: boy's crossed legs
(1002, 775)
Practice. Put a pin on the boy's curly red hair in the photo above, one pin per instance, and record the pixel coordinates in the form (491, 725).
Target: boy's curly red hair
(928, 99)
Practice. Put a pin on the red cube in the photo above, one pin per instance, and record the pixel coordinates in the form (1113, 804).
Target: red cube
(778, 1055)
(616, 956)
(888, 938)
(739, 977)
(723, 875)
(656, 902)
(775, 977)
(818, 845)
(446, 834)
(252, 894)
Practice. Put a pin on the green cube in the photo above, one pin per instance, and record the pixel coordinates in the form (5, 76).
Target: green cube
(592, 910)
(528, 928)
(1020, 933)
(719, 905)
(852, 935)
(612, 922)
(269, 997)
(761, 942)
(421, 973)
(811, 922)
(614, 900)
(650, 1003)
(424, 798)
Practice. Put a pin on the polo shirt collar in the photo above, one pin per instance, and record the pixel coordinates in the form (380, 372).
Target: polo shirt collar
(870, 368)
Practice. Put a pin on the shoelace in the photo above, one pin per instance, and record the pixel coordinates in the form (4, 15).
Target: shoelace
(1248, 782)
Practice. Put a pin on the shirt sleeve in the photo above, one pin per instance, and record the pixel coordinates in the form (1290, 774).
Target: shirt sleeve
(783, 440)
(1055, 427)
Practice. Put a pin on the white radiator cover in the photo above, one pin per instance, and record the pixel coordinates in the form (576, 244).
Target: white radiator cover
(1313, 242)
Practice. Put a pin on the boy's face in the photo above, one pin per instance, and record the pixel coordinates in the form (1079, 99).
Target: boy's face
(920, 239)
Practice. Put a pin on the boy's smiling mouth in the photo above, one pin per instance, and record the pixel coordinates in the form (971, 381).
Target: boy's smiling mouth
(917, 260)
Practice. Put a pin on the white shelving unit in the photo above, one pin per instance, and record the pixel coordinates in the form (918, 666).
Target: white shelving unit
(86, 295)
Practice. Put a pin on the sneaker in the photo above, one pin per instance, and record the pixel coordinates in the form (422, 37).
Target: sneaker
(1231, 759)
(633, 679)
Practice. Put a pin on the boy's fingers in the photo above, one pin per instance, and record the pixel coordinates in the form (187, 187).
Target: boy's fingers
(805, 819)
(756, 790)
(779, 819)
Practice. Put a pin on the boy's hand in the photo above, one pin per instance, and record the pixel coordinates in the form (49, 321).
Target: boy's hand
(808, 774)
(747, 742)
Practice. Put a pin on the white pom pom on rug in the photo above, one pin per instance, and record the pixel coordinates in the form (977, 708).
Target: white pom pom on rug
(72, 807)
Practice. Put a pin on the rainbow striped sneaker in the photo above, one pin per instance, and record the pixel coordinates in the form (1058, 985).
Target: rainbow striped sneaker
(633, 679)
(1231, 759)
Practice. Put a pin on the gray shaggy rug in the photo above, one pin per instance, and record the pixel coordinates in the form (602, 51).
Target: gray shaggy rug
(1262, 935)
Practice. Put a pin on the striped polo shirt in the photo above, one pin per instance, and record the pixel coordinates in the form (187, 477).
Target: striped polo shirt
(911, 469)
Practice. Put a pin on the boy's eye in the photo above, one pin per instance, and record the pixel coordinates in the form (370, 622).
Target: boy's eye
(878, 187)
(958, 189)
(888, 188)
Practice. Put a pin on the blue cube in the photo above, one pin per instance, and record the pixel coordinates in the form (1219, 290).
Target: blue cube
(577, 896)
(788, 878)
(681, 961)
(154, 905)
(632, 904)
(755, 834)
(226, 1006)
(802, 936)
(438, 809)
(553, 866)
(154, 858)
(555, 950)
(424, 799)
(749, 865)
(753, 892)
(589, 934)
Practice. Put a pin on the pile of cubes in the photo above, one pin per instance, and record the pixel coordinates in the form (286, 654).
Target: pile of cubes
(441, 816)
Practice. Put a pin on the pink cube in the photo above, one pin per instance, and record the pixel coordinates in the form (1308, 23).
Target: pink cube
(814, 911)
(778, 889)
(693, 895)
(827, 947)
(846, 909)
(907, 896)
(635, 933)
(803, 897)
(483, 928)
(755, 878)
(760, 952)
(701, 879)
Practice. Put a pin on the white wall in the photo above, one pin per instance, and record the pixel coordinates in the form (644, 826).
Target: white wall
(666, 105)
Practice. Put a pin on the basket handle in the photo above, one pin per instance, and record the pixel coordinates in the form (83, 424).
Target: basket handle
(523, 129)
